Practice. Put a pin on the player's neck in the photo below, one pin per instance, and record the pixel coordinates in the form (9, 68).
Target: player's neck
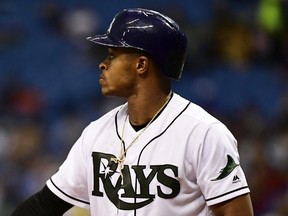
(142, 109)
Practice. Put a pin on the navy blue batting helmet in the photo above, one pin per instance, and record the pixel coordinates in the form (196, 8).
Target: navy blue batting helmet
(151, 32)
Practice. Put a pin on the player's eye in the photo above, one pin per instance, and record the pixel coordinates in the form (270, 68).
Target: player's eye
(110, 56)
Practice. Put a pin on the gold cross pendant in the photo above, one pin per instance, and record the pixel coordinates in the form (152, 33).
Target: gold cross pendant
(120, 162)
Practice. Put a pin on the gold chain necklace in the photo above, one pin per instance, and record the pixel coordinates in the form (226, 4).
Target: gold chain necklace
(120, 160)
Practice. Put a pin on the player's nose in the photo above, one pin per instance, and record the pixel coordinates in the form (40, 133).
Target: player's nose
(102, 66)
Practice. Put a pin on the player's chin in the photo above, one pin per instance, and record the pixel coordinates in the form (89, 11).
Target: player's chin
(107, 91)
(112, 93)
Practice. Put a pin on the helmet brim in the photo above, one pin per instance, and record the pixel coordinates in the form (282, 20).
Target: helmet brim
(104, 40)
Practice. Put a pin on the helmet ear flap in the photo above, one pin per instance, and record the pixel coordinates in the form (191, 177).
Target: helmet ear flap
(174, 63)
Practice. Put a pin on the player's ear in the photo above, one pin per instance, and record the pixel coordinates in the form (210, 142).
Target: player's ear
(142, 64)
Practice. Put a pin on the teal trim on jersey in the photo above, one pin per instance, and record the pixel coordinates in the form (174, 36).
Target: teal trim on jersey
(226, 193)
(79, 200)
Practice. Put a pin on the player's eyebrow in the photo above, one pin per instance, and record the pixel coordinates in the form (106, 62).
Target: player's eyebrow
(110, 53)
(110, 50)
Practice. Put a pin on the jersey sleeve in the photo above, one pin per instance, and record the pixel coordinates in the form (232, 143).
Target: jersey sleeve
(70, 181)
(219, 173)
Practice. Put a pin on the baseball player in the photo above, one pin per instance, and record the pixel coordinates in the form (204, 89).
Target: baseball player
(156, 155)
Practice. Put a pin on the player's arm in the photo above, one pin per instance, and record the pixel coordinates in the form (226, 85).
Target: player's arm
(43, 203)
(239, 206)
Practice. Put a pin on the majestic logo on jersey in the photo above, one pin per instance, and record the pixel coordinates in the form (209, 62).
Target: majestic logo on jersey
(230, 166)
(126, 195)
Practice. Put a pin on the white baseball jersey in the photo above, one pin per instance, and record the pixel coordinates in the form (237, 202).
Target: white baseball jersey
(185, 161)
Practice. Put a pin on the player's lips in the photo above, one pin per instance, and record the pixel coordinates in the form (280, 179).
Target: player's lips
(101, 78)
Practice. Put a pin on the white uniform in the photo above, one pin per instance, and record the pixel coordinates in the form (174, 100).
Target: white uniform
(184, 161)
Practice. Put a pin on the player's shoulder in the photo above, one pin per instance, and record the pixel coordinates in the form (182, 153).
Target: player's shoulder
(203, 124)
(193, 111)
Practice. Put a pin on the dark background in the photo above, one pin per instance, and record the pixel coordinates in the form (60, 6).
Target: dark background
(236, 69)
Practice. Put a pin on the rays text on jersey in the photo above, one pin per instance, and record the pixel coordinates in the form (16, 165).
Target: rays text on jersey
(104, 172)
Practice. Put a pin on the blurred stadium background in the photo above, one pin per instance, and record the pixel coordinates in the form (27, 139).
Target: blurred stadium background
(236, 69)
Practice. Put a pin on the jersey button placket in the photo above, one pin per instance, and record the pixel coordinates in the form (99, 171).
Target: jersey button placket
(130, 158)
